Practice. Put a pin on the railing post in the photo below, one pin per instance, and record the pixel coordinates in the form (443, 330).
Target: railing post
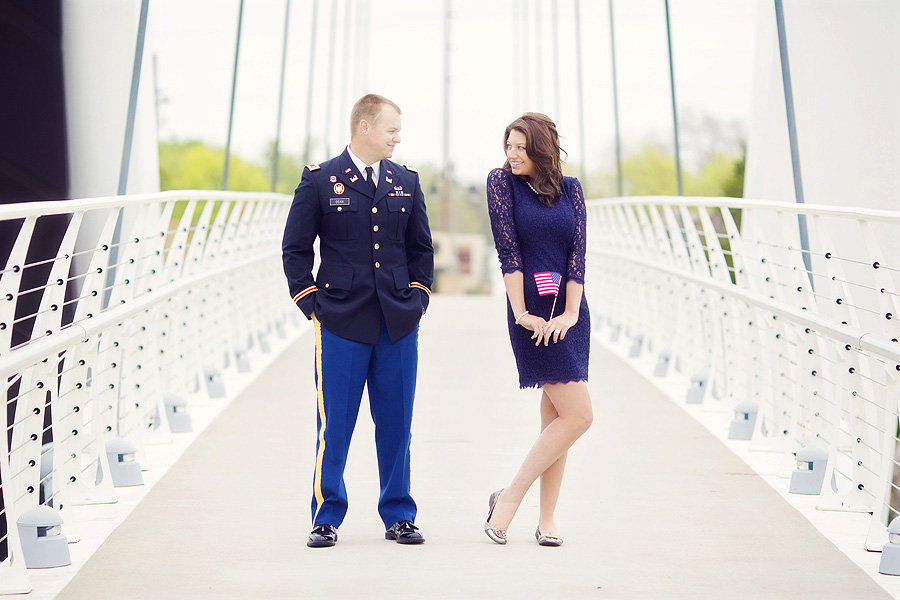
(106, 374)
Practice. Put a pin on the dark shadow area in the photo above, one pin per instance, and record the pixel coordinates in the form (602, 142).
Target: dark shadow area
(33, 155)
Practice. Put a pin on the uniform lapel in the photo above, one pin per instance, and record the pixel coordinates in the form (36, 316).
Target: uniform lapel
(384, 186)
(352, 177)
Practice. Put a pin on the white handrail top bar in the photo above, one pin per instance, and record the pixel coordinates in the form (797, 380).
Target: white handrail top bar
(56, 207)
(722, 202)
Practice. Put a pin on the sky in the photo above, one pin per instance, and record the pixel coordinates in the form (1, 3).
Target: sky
(502, 64)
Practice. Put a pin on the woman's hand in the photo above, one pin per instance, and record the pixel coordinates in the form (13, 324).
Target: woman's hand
(558, 326)
(534, 324)
(541, 329)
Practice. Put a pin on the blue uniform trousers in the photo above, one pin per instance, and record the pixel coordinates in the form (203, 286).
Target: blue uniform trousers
(343, 368)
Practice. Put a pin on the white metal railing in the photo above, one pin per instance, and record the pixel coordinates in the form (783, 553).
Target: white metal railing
(139, 298)
(723, 290)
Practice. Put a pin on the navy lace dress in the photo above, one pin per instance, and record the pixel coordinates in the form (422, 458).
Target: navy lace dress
(532, 237)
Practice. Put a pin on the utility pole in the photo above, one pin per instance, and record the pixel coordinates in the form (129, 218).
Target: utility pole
(329, 86)
(539, 59)
(517, 39)
(674, 106)
(446, 182)
(578, 77)
(311, 80)
(556, 102)
(132, 98)
(792, 135)
(237, 53)
(158, 98)
(287, 19)
(525, 50)
(346, 101)
(615, 85)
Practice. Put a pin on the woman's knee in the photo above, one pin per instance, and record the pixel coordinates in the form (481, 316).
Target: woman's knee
(573, 403)
(579, 420)
(583, 419)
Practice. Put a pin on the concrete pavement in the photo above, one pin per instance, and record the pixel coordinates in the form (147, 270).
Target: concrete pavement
(653, 506)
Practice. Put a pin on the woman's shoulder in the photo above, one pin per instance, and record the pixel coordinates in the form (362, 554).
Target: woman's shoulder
(499, 183)
(570, 184)
(499, 174)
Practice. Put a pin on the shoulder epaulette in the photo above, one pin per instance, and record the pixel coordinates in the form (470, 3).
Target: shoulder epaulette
(313, 167)
(409, 168)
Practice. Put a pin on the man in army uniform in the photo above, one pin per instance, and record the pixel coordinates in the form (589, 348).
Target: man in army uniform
(372, 287)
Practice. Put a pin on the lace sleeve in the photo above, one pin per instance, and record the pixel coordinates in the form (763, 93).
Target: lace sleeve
(575, 268)
(503, 225)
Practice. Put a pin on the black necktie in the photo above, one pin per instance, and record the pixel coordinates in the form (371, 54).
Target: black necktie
(370, 177)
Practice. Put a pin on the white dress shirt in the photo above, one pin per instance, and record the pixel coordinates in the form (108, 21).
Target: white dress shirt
(362, 166)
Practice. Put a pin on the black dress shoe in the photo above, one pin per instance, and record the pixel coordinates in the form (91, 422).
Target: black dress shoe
(322, 536)
(404, 532)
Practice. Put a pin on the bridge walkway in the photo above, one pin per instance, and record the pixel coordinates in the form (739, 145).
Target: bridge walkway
(653, 505)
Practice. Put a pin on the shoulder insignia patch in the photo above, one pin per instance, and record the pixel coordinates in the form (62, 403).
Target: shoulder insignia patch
(409, 168)
(313, 167)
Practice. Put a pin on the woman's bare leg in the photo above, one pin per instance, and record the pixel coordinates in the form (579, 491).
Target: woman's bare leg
(573, 406)
(551, 478)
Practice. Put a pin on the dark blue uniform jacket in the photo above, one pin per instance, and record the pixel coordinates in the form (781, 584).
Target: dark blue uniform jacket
(376, 253)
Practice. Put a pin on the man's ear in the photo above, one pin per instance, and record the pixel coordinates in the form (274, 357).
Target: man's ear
(364, 127)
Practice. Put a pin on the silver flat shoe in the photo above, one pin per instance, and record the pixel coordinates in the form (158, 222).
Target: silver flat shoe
(498, 536)
(547, 540)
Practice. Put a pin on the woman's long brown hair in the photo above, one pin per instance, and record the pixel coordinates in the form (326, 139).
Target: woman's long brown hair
(543, 149)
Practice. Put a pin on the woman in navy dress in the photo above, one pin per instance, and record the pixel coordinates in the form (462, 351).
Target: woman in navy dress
(538, 219)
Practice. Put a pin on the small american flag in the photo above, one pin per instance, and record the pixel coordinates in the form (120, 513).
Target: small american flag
(547, 282)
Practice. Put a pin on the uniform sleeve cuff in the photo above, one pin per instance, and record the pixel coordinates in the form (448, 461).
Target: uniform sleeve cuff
(419, 286)
(305, 293)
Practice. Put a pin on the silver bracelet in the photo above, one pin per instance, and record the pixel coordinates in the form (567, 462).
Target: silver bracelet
(520, 317)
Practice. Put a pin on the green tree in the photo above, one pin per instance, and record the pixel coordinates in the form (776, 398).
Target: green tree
(192, 165)
(290, 170)
(651, 172)
(716, 177)
(734, 185)
(290, 166)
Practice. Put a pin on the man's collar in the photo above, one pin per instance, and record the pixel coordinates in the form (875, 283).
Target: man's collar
(361, 166)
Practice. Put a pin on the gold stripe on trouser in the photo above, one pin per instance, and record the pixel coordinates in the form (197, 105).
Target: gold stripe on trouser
(317, 480)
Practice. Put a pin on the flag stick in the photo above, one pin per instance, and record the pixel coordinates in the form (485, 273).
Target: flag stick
(552, 308)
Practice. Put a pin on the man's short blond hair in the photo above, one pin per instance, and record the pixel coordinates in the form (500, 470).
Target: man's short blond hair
(368, 108)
